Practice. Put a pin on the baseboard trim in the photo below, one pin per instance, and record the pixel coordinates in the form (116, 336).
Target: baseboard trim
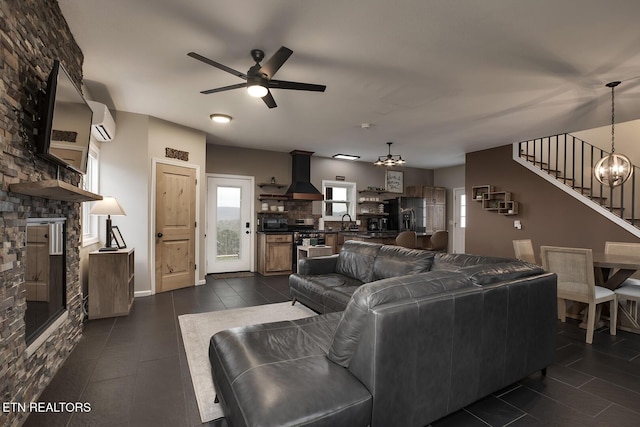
(139, 294)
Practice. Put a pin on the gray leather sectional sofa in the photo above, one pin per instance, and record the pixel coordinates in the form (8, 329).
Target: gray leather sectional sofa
(406, 351)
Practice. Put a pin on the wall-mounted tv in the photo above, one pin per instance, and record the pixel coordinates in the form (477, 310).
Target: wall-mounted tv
(65, 122)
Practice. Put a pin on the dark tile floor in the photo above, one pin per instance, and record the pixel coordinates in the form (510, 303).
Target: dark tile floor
(133, 370)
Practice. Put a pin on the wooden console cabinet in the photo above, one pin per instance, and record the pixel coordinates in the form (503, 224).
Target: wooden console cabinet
(111, 283)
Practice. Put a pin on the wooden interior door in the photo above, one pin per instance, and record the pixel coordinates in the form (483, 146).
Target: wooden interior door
(175, 227)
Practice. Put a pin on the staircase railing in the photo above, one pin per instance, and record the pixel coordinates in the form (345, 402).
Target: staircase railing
(571, 160)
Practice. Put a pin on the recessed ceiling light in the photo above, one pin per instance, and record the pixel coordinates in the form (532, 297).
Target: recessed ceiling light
(220, 118)
(345, 156)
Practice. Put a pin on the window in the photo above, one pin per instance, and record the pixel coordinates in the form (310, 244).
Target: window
(90, 183)
(339, 200)
(463, 211)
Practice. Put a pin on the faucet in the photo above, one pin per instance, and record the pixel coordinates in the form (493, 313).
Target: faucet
(342, 221)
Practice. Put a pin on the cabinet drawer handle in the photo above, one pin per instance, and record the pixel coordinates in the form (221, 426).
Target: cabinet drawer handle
(160, 235)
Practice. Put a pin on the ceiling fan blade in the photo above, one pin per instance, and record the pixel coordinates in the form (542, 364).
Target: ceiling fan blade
(222, 89)
(281, 84)
(275, 62)
(217, 65)
(268, 99)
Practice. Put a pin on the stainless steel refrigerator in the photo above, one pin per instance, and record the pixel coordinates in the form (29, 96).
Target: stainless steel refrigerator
(407, 213)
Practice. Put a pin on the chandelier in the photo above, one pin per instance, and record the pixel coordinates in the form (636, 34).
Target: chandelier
(614, 169)
(389, 159)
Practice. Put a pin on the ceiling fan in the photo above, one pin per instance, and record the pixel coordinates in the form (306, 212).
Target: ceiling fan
(259, 78)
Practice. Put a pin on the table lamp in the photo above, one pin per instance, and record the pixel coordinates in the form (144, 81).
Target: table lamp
(107, 206)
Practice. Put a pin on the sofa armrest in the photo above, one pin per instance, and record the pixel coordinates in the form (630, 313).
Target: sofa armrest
(317, 265)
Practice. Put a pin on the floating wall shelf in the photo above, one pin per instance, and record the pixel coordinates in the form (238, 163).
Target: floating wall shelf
(497, 201)
(54, 189)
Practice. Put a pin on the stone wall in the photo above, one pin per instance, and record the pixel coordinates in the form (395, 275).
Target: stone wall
(32, 34)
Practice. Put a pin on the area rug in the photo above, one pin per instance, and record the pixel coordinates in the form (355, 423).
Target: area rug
(197, 330)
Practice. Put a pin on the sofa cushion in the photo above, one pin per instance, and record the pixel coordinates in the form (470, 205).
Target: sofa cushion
(453, 262)
(356, 260)
(502, 271)
(336, 299)
(324, 293)
(317, 265)
(262, 376)
(371, 295)
(395, 261)
(322, 281)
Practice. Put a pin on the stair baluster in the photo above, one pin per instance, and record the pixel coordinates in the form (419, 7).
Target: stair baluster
(563, 156)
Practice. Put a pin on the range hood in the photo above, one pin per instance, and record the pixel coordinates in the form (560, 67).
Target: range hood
(301, 187)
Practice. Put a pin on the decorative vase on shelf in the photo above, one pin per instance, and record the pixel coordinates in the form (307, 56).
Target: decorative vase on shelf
(273, 179)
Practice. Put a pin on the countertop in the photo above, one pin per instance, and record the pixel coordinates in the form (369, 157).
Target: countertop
(377, 234)
(355, 233)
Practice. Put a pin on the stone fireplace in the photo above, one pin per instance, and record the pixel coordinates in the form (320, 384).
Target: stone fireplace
(33, 33)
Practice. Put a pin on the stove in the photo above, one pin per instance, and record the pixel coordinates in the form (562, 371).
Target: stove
(298, 235)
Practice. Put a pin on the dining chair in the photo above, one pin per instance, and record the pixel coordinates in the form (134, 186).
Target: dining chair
(576, 282)
(407, 239)
(629, 291)
(524, 250)
(438, 241)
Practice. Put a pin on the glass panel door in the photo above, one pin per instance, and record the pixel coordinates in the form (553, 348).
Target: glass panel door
(230, 231)
(228, 222)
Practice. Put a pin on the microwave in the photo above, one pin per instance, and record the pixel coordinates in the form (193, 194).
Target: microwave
(269, 223)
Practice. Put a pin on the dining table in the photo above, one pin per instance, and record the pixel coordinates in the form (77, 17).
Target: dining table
(611, 270)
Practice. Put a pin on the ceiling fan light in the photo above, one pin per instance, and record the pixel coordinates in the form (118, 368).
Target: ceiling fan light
(220, 118)
(257, 91)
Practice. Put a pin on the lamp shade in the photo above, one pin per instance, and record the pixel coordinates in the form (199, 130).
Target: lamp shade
(107, 206)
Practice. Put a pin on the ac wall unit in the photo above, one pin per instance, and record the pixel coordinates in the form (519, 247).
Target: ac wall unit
(103, 127)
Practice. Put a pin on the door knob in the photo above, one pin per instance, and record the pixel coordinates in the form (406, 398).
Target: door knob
(159, 235)
(247, 232)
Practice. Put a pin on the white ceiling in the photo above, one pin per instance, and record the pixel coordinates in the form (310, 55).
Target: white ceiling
(437, 77)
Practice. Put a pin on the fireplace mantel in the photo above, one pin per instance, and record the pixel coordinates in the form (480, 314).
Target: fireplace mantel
(54, 189)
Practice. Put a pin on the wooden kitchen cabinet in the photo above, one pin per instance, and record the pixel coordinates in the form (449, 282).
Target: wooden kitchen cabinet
(430, 194)
(275, 253)
(435, 208)
(111, 283)
(435, 217)
(330, 239)
(436, 195)
(413, 191)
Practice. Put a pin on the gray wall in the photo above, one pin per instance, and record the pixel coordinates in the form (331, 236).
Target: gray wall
(264, 164)
(450, 178)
